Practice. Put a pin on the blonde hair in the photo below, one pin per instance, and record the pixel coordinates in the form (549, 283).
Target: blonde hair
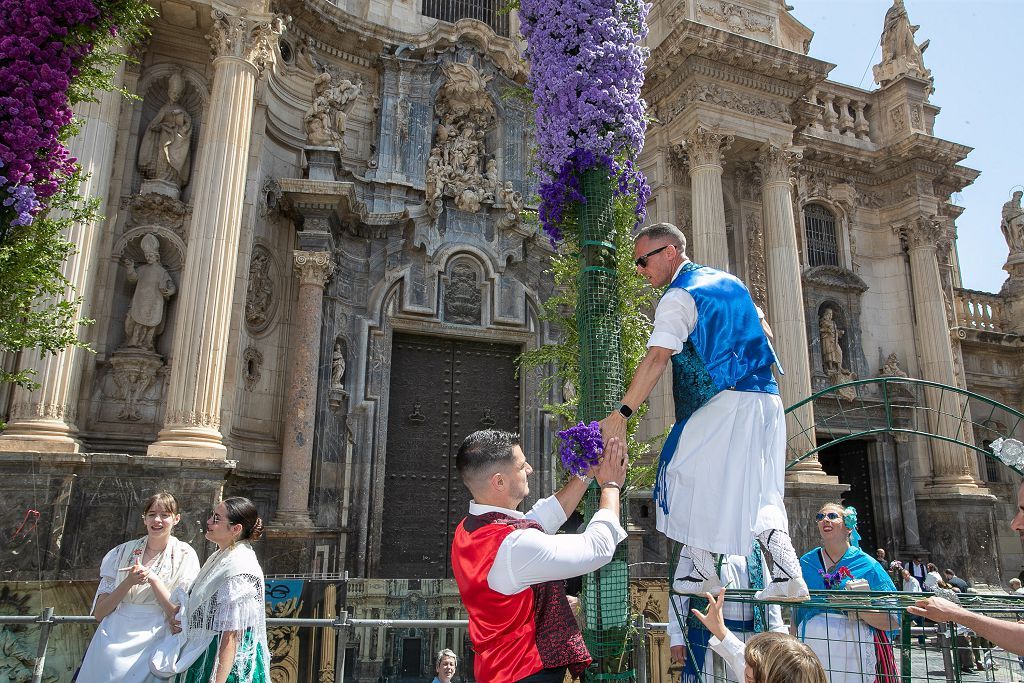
(781, 658)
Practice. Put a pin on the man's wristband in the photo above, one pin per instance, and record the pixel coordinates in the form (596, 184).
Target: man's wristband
(611, 485)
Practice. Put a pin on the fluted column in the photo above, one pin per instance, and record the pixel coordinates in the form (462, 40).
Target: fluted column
(314, 269)
(702, 151)
(45, 419)
(952, 465)
(786, 300)
(242, 47)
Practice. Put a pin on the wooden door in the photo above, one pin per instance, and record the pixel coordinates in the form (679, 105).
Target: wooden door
(441, 391)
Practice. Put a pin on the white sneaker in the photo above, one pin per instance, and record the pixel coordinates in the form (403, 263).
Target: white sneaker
(788, 590)
(685, 587)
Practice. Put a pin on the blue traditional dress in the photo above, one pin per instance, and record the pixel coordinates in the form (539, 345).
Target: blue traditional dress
(720, 479)
(844, 644)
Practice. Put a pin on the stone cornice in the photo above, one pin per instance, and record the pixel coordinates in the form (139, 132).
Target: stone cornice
(690, 38)
(835, 277)
(322, 18)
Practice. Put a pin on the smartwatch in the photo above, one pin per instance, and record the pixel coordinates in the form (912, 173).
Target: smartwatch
(623, 410)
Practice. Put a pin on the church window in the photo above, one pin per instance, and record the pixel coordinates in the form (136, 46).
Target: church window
(488, 11)
(820, 231)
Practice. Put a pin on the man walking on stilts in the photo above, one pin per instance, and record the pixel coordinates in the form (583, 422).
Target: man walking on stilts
(720, 477)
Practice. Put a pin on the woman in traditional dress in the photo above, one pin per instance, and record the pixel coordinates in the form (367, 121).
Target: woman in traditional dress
(134, 603)
(852, 645)
(222, 635)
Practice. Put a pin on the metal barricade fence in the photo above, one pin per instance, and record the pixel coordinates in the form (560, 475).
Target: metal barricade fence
(936, 652)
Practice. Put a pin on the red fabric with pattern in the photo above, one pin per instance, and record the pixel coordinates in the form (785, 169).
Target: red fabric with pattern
(885, 668)
(514, 636)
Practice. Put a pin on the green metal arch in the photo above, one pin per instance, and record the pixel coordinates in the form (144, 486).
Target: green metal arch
(897, 405)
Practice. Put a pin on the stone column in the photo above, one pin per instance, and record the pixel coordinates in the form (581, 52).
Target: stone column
(242, 46)
(314, 269)
(702, 151)
(44, 419)
(786, 302)
(951, 465)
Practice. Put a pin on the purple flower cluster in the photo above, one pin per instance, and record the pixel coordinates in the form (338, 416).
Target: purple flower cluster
(586, 72)
(581, 447)
(38, 54)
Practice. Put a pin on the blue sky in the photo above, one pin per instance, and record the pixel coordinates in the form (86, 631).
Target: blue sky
(974, 56)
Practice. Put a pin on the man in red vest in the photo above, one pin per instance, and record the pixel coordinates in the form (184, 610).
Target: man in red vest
(511, 568)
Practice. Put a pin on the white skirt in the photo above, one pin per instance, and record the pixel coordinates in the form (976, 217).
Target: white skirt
(725, 483)
(845, 646)
(120, 649)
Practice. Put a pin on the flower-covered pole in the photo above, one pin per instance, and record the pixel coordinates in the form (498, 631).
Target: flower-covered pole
(586, 74)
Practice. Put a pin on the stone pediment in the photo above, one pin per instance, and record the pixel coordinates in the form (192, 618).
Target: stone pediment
(835, 277)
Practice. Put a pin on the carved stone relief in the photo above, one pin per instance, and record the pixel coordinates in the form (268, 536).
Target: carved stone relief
(462, 296)
(460, 165)
(326, 118)
(252, 364)
(757, 277)
(133, 371)
(260, 297)
(744, 103)
(738, 19)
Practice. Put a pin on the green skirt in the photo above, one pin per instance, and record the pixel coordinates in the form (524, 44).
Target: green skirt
(202, 669)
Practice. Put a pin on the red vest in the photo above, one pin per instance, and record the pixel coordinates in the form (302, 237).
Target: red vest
(514, 636)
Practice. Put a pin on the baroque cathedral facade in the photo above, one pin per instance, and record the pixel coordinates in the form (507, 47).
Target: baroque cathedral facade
(315, 274)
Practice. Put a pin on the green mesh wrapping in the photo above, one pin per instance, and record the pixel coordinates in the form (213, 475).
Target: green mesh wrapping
(605, 592)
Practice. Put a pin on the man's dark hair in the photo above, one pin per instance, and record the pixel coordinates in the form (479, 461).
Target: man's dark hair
(949, 571)
(484, 449)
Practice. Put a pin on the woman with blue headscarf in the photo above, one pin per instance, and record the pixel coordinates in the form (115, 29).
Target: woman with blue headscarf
(852, 645)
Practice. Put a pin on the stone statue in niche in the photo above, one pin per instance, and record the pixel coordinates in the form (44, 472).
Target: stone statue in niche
(459, 165)
(831, 351)
(1012, 224)
(164, 156)
(259, 297)
(326, 118)
(891, 368)
(153, 288)
(463, 299)
(338, 365)
(901, 55)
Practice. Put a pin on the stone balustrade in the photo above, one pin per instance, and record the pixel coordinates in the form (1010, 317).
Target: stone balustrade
(979, 310)
(845, 113)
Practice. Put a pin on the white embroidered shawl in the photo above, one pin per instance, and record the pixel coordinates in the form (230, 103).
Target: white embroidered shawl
(227, 595)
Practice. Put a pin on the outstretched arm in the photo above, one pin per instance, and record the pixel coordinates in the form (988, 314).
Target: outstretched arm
(646, 377)
(1008, 635)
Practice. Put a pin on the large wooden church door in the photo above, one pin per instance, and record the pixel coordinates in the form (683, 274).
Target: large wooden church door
(441, 391)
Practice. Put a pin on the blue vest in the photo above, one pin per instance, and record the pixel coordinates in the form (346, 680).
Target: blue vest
(727, 349)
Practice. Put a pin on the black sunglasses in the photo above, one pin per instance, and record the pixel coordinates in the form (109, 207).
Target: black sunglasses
(641, 261)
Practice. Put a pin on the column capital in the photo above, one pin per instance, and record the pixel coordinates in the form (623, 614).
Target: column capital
(246, 37)
(777, 163)
(924, 232)
(703, 146)
(314, 267)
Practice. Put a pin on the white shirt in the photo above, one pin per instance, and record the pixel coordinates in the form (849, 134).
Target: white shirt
(911, 585)
(529, 556)
(733, 574)
(931, 581)
(675, 317)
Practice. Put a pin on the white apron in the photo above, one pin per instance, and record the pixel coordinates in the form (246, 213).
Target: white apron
(845, 646)
(725, 482)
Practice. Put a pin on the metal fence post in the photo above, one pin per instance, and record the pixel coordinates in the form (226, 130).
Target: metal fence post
(640, 649)
(342, 644)
(46, 621)
(946, 639)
